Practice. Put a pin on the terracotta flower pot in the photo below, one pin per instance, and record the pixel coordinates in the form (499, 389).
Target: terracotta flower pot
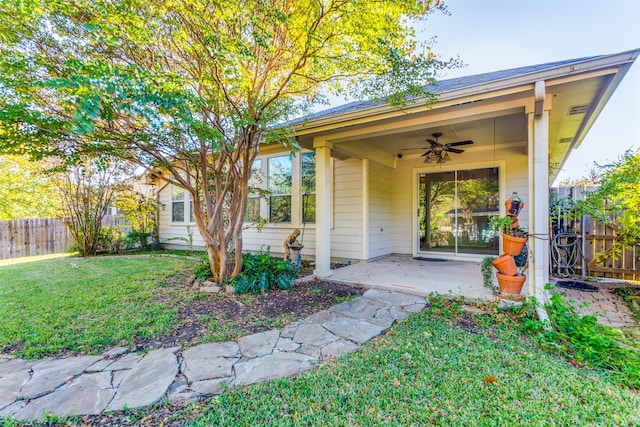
(512, 245)
(510, 286)
(506, 265)
(513, 207)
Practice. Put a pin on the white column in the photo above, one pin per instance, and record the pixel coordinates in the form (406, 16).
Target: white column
(323, 207)
(531, 201)
(539, 179)
(365, 209)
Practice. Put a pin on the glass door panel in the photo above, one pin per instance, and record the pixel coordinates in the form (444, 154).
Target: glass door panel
(454, 209)
(478, 194)
(437, 202)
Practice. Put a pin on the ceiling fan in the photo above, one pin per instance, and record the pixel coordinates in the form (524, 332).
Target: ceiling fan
(439, 153)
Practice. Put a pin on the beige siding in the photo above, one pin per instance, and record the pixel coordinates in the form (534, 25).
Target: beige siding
(174, 233)
(346, 235)
(380, 210)
(403, 186)
(390, 213)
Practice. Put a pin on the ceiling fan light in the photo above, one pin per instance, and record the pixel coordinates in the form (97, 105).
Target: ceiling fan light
(445, 157)
(440, 160)
(429, 158)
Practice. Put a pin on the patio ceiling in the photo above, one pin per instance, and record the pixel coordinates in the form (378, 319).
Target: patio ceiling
(485, 118)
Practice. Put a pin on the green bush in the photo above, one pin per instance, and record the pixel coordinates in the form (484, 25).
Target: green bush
(586, 342)
(136, 239)
(261, 272)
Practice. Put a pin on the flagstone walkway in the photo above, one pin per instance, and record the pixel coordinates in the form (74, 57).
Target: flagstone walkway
(84, 385)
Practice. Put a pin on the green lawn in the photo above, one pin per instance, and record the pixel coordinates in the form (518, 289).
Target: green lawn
(432, 369)
(68, 304)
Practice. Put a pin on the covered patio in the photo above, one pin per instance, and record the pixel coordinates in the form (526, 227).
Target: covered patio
(421, 276)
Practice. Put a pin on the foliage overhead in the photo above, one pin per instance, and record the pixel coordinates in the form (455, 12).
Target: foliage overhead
(615, 199)
(25, 190)
(191, 89)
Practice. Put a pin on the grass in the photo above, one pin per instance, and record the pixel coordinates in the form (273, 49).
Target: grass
(440, 367)
(65, 304)
(433, 369)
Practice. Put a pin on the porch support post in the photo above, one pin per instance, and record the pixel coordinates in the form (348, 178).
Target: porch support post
(538, 147)
(323, 207)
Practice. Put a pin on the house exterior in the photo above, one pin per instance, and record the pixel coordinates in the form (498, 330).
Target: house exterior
(362, 187)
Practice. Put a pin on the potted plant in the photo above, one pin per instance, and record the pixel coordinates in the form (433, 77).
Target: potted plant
(513, 238)
(514, 205)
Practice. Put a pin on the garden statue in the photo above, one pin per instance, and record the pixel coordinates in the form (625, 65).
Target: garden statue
(292, 248)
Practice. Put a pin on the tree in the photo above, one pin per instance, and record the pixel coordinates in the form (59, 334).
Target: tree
(26, 190)
(88, 191)
(139, 206)
(616, 198)
(191, 89)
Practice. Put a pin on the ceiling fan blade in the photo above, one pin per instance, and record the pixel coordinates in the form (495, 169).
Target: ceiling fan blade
(455, 144)
(454, 150)
(432, 142)
(427, 153)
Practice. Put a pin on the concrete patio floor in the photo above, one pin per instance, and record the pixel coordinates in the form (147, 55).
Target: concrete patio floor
(401, 273)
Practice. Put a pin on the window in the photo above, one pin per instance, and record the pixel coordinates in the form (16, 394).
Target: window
(177, 204)
(308, 177)
(253, 201)
(279, 179)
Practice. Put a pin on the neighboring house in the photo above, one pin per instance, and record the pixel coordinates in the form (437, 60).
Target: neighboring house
(367, 192)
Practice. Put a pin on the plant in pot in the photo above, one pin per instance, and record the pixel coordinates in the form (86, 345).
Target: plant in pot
(513, 237)
(510, 280)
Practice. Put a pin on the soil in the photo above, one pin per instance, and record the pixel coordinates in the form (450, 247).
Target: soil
(205, 317)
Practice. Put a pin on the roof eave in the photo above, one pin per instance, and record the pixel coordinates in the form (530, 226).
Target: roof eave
(512, 84)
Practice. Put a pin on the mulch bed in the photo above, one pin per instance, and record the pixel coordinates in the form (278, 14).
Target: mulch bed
(204, 317)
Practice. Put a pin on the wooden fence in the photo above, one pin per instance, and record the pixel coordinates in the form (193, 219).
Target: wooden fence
(600, 254)
(606, 257)
(29, 237)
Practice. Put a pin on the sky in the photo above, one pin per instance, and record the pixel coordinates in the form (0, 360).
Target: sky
(492, 35)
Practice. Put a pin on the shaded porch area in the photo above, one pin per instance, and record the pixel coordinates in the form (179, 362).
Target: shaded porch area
(402, 273)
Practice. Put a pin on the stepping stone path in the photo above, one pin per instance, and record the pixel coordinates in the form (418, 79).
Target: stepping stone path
(117, 379)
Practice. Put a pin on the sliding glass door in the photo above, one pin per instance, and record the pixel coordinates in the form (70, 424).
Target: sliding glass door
(454, 209)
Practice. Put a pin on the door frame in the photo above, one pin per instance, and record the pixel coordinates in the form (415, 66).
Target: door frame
(415, 185)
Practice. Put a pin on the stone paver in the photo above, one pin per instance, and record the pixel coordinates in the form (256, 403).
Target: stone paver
(608, 309)
(206, 361)
(50, 374)
(147, 382)
(314, 334)
(355, 330)
(259, 344)
(359, 308)
(88, 394)
(276, 365)
(92, 384)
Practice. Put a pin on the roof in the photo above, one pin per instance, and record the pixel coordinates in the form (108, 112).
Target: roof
(449, 85)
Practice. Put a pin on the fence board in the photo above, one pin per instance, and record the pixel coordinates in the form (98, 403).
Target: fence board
(29, 237)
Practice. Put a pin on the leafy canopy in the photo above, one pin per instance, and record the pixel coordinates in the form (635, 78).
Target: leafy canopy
(190, 89)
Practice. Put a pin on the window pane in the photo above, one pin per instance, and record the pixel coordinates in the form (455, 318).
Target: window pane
(177, 211)
(256, 176)
(478, 194)
(253, 210)
(309, 208)
(177, 193)
(280, 209)
(279, 179)
(191, 218)
(309, 172)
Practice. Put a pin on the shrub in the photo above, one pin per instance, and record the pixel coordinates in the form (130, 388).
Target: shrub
(136, 239)
(261, 272)
(586, 342)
